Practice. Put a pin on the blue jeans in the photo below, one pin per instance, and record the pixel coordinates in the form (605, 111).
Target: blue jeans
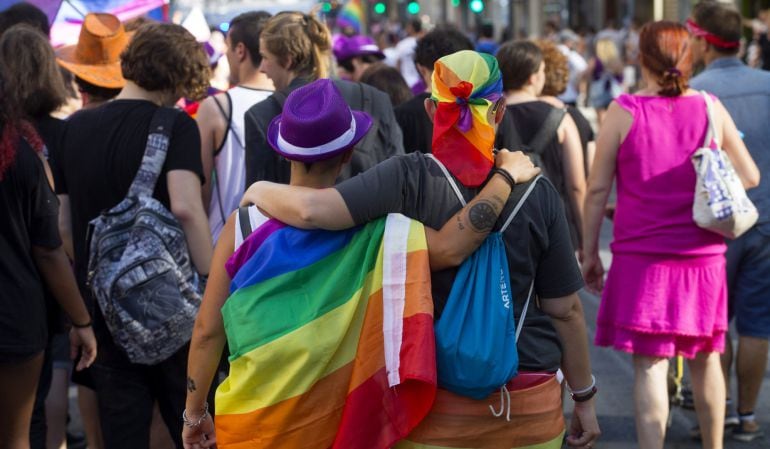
(748, 283)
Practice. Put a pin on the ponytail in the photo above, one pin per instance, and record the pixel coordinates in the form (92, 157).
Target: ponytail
(664, 50)
(302, 39)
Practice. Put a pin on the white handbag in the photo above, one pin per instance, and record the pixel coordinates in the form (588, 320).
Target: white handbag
(721, 204)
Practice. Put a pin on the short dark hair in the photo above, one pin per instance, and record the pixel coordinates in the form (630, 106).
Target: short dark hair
(246, 28)
(24, 13)
(416, 25)
(719, 19)
(487, 30)
(439, 42)
(347, 64)
(166, 57)
(389, 80)
(518, 61)
(98, 93)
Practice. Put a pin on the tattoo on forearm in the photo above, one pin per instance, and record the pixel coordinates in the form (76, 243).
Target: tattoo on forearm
(482, 215)
(460, 224)
(191, 385)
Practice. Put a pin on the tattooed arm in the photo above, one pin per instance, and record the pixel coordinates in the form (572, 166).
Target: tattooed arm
(309, 208)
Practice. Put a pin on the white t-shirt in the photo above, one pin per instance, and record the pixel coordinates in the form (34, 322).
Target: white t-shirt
(405, 50)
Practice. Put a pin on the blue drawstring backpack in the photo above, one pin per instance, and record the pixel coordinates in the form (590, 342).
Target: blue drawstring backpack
(476, 334)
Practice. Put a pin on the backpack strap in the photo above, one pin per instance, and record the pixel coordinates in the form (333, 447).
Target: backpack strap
(154, 153)
(520, 203)
(547, 129)
(449, 178)
(710, 140)
(520, 325)
(243, 227)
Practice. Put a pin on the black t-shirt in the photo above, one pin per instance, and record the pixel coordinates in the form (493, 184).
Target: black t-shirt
(51, 130)
(100, 155)
(415, 124)
(584, 127)
(29, 218)
(537, 241)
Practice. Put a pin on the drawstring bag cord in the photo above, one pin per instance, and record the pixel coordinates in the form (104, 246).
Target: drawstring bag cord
(504, 395)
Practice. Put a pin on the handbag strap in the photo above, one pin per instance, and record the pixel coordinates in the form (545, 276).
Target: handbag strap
(154, 152)
(710, 140)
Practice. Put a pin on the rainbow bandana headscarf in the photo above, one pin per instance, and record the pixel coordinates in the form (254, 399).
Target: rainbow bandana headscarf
(465, 85)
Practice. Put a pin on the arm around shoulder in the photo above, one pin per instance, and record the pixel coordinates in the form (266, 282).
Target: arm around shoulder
(301, 207)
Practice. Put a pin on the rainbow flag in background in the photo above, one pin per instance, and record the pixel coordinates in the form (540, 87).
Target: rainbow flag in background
(352, 15)
(331, 338)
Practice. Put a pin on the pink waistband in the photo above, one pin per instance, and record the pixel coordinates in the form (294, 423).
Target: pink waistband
(529, 379)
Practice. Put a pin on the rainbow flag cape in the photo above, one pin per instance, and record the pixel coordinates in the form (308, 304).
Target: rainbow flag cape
(352, 15)
(331, 338)
(454, 422)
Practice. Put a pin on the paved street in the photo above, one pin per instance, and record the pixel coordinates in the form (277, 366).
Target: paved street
(614, 374)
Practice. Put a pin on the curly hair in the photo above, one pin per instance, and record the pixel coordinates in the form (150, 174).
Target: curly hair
(29, 68)
(166, 57)
(301, 39)
(556, 68)
(439, 42)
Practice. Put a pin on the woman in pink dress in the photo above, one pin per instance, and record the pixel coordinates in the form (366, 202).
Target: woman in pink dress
(666, 292)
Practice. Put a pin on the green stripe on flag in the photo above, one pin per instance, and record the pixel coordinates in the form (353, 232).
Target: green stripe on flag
(260, 313)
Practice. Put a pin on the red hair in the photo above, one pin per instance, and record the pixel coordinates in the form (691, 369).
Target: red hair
(665, 51)
(10, 140)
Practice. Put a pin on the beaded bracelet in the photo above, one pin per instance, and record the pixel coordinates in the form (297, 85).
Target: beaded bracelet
(506, 176)
(193, 424)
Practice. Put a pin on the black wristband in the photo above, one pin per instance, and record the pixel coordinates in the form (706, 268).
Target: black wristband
(585, 396)
(507, 176)
(82, 326)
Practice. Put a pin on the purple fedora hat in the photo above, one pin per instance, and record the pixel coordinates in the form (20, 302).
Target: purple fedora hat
(316, 124)
(350, 47)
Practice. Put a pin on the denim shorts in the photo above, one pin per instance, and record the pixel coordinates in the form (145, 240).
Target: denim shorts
(748, 277)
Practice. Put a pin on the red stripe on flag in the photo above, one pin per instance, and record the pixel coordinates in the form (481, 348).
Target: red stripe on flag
(376, 416)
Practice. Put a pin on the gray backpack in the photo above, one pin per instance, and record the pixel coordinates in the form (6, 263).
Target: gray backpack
(139, 267)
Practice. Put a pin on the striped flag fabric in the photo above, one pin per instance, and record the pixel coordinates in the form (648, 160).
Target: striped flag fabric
(331, 338)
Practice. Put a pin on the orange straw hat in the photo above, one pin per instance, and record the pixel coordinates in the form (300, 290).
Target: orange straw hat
(96, 56)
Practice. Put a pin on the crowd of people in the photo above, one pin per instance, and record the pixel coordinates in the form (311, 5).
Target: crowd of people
(262, 266)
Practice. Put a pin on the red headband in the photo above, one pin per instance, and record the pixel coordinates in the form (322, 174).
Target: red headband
(711, 38)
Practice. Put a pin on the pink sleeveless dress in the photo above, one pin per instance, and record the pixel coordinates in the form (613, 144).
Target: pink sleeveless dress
(666, 291)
